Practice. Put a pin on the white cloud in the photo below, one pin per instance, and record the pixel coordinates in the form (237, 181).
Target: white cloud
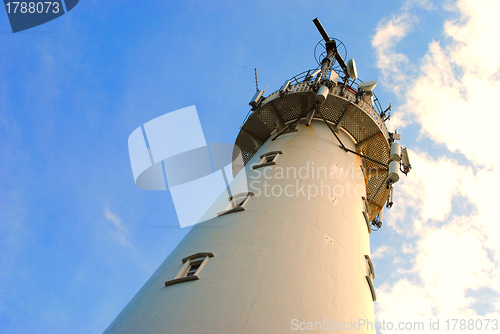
(381, 252)
(119, 232)
(432, 184)
(454, 250)
(393, 64)
(389, 33)
(453, 92)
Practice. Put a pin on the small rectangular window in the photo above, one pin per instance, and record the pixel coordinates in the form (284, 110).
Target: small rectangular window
(270, 158)
(365, 213)
(238, 200)
(291, 127)
(369, 267)
(267, 159)
(236, 203)
(191, 269)
(370, 276)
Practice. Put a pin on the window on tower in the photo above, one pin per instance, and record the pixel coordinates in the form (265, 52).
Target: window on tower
(191, 269)
(289, 128)
(370, 276)
(366, 211)
(267, 159)
(236, 203)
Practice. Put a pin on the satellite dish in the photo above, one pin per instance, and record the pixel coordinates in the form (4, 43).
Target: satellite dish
(352, 71)
(368, 86)
(368, 98)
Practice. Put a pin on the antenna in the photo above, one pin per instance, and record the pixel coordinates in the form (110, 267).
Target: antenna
(384, 113)
(390, 199)
(405, 161)
(322, 30)
(266, 87)
(331, 50)
(368, 86)
(352, 70)
(256, 83)
(365, 91)
(377, 222)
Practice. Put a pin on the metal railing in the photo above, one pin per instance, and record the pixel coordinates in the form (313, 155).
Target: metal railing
(352, 85)
(305, 82)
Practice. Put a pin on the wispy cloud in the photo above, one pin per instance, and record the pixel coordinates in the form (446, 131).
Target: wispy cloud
(381, 252)
(451, 96)
(395, 65)
(119, 230)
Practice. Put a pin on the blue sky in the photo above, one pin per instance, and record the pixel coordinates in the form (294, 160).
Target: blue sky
(76, 236)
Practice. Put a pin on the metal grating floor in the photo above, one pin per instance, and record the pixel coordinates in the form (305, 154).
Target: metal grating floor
(361, 122)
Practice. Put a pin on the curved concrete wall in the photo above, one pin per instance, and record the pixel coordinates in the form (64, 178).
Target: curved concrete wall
(285, 257)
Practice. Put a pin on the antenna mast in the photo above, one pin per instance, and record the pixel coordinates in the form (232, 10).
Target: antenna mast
(256, 83)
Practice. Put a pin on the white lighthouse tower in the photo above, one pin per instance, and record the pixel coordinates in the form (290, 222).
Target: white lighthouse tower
(293, 252)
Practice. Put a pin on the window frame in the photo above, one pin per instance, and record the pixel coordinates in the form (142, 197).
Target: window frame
(288, 128)
(365, 213)
(233, 207)
(264, 159)
(199, 259)
(370, 276)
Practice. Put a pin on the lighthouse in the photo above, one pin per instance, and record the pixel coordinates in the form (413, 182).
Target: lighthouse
(292, 251)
